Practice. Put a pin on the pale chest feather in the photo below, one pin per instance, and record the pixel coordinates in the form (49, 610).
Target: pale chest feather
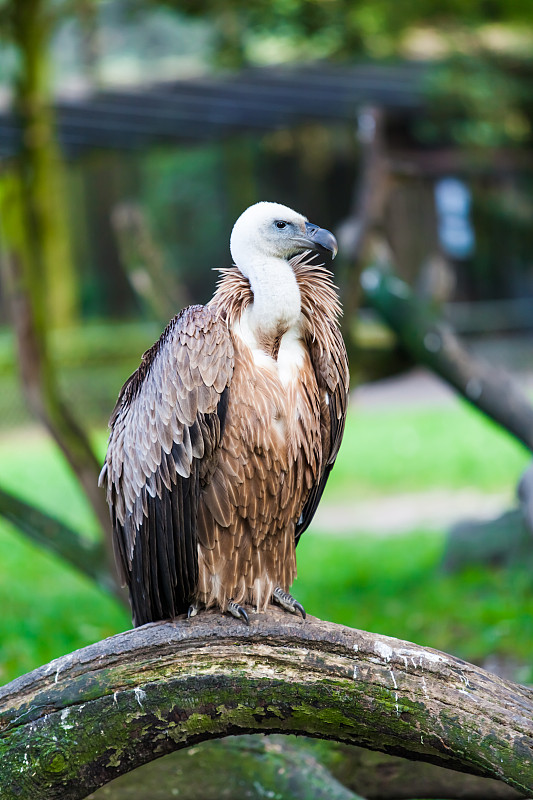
(275, 384)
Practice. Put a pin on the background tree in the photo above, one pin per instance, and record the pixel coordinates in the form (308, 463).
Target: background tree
(35, 242)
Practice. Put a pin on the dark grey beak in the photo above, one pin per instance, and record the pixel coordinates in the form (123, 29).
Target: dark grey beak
(318, 239)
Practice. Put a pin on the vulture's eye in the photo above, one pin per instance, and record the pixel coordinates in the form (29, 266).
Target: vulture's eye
(280, 224)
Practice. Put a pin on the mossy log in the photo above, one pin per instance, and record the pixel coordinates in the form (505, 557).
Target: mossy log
(95, 714)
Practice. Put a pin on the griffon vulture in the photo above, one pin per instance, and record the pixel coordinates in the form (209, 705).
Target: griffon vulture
(222, 441)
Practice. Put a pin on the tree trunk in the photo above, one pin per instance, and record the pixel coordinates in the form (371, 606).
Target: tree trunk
(142, 261)
(36, 253)
(41, 391)
(88, 717)
(38, 166)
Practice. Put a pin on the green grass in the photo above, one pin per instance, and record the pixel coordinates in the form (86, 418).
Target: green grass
(383, 452)
(388, 451)
(388, 585)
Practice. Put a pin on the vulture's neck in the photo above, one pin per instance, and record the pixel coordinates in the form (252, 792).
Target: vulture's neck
(317, 300)
(276, 304)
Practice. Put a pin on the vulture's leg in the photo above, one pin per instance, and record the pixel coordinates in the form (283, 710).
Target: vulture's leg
(287, 601)
(238, 611)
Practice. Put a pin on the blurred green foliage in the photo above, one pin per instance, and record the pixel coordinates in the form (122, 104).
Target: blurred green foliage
(48, 609)
(299, 29)
(391, 450)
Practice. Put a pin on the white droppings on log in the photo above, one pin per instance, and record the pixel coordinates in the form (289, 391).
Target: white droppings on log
(383, 650)
(417, 657)
(64, 716)
(356, 650)
(140, 695)
(468, 694)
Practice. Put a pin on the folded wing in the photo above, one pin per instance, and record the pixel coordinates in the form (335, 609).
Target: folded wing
(165, 433)
(331, 369)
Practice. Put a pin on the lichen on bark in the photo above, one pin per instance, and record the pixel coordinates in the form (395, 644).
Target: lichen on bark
(81, 721)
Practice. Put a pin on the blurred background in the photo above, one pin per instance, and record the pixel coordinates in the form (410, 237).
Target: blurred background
(132, 134)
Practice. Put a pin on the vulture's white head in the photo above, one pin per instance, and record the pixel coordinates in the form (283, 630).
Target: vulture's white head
(271, 230)
(264, 239)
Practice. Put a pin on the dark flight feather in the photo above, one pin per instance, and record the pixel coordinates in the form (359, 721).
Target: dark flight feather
(157, 454)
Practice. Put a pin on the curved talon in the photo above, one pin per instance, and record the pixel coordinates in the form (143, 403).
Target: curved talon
(299, 607)
(192, 611)
(238, 612)
(287, 601)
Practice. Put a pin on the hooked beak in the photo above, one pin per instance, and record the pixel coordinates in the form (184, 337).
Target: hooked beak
(318, 239)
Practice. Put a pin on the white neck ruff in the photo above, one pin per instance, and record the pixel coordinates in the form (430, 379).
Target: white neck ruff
(277, 301)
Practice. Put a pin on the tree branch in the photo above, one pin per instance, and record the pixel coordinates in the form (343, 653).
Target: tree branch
(377, 776)
(142, 261)
(371, 188)
(251, 767)
(88, 717)
(48, 532)
(290, 768)
(432, 342)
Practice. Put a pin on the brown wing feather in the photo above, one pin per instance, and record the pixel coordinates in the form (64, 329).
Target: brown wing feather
(330, 363)
(165, 432)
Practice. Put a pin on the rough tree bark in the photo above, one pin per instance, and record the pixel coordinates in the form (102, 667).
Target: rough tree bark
(86, 718)
(365, 218)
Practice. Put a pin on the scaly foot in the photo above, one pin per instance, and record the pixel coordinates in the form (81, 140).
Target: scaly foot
(287, 601)
(238, 611)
